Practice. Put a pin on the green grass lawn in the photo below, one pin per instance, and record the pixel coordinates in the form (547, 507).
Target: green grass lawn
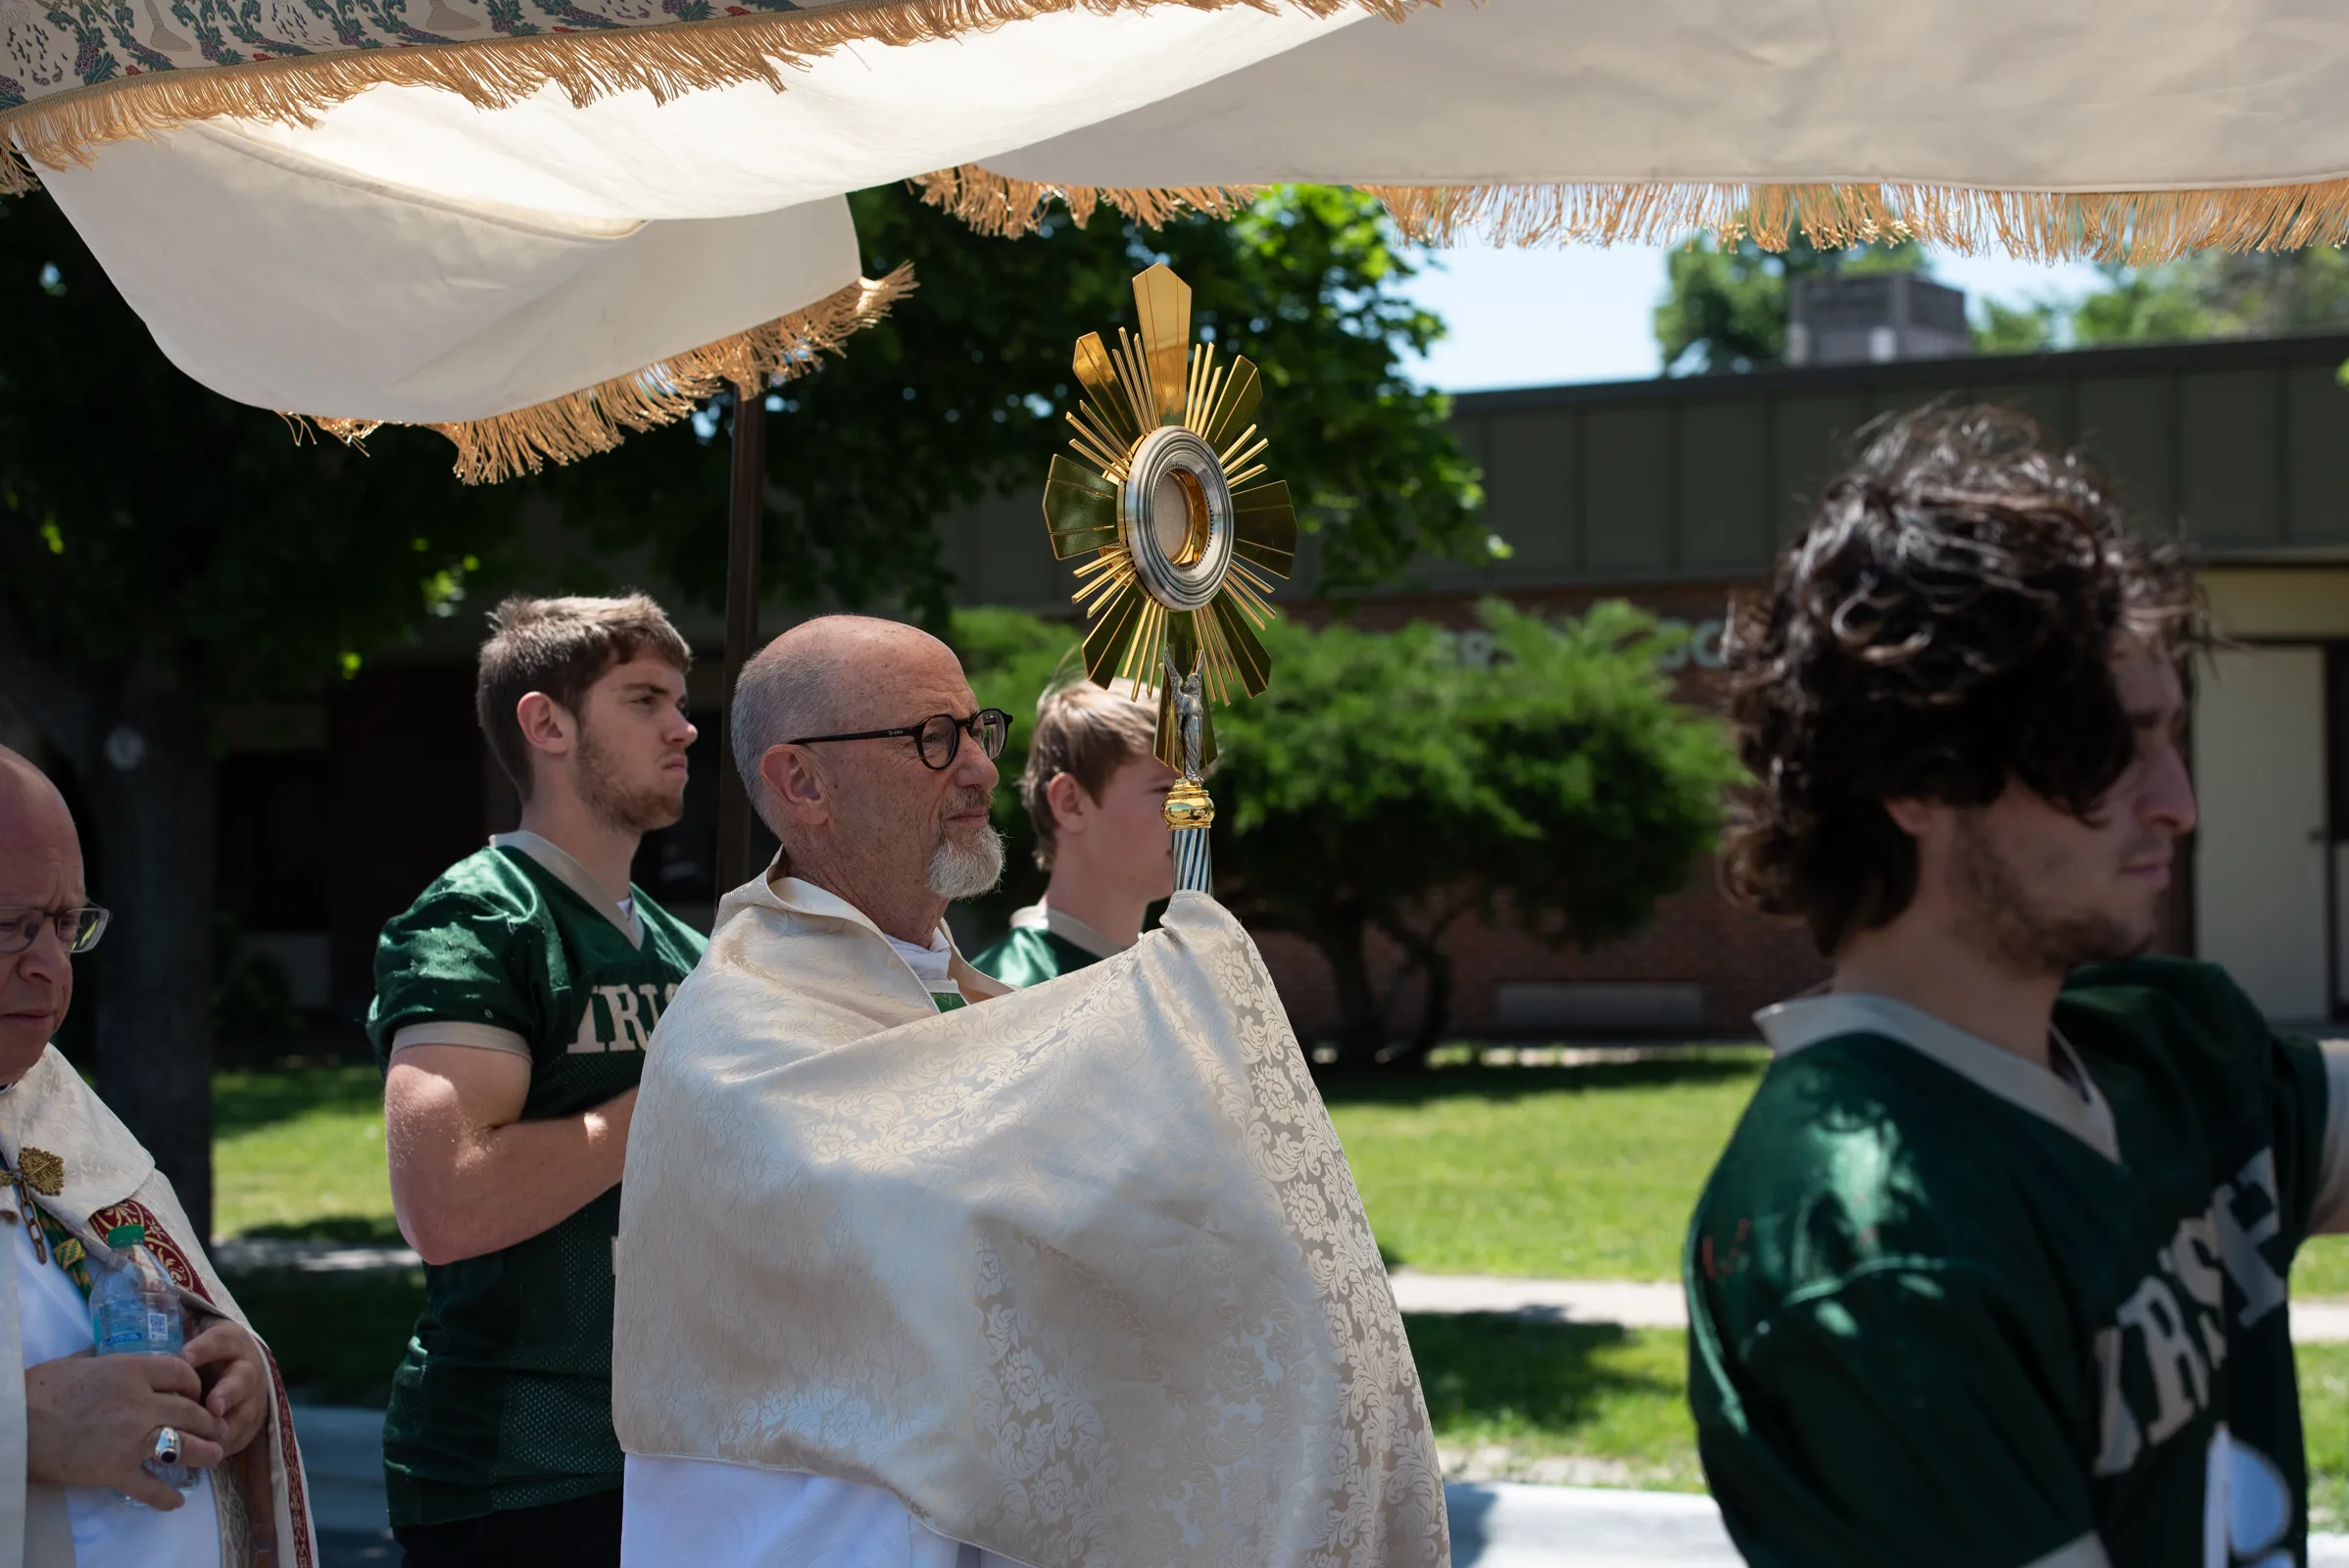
(1560, 1172)
(300, 1154)
(1585, 1403)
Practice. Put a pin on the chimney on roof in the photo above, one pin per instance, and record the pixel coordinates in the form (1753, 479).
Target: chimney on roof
(1874, 319)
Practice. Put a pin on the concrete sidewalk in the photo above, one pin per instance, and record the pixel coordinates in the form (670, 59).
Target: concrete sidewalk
(1639, 1304)
(1633, 1303)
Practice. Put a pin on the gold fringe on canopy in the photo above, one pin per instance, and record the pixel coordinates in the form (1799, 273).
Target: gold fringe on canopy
(2138, 227)
(1010, 208)
(667, 60)
(565, 429)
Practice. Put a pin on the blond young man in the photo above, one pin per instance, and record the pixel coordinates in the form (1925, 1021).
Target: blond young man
(1096, 795)
(514, 1003)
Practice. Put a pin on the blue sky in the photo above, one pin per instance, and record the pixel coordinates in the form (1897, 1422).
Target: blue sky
(1539, 317)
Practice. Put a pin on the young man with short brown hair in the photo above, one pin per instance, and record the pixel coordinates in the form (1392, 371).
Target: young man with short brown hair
(1097, 796)
(1992, 1271)
(513, 1004)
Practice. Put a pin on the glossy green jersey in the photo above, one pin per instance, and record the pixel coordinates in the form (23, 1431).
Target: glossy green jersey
(1042, 945)
(504, 1400)
(1948, 1306)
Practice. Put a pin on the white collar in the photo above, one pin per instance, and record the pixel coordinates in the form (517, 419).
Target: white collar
(1068, 928)
(798, 897)
(566, 868)
(930, 964)
(2083, 1112)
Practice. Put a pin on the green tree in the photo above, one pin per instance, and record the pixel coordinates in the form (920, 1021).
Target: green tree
(1382, 786)
(2206, 295)
(164, 551)
(961, 393)
(2025, 328)
(1726, 307)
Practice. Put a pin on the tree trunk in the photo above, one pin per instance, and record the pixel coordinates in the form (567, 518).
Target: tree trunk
(1423, 950)
(151, 790)
(1435, 1016)
(1361, 1021)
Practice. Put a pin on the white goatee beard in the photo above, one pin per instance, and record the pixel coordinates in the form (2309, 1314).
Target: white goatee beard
(968, 868)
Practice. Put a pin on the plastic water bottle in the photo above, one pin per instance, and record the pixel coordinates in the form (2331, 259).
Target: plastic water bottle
(134, 1311)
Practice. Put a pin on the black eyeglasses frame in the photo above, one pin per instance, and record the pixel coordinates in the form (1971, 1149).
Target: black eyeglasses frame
(977, 726)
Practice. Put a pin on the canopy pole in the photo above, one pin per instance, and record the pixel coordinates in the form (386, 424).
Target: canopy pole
(744, 512)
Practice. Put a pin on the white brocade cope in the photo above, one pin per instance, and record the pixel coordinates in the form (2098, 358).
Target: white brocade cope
(1079, 1273)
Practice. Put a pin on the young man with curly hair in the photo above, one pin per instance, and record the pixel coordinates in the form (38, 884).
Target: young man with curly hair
(1994, 1270)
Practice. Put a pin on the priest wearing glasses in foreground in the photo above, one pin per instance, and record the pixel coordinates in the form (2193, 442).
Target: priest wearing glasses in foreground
(78, 1431)
(915, 1271)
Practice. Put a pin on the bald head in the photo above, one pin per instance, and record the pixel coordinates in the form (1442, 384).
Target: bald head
(868, 819)
(828, 676)
(32, 813)
(40, 870)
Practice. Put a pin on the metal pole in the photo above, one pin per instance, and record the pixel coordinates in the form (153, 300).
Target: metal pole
(745, 512)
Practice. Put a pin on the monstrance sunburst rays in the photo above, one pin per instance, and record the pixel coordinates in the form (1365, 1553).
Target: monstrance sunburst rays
(1184, 560)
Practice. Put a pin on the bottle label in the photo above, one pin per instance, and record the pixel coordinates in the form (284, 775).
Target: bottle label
(137, 1333)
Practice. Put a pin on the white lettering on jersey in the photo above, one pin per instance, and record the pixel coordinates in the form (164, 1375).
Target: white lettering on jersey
(2192, 1258)
(626, 1034)
(2181, 1379)
(590, 1039)
(2238, 1243)
(626, 1020)
(2179, 1335)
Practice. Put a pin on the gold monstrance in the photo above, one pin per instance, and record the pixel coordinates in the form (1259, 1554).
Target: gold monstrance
(1182, 559)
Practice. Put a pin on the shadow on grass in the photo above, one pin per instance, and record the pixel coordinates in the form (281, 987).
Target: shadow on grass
(1493, 1370)
(337, 1336)
(245, 1102)
(1403, 1086)
(351, 1230)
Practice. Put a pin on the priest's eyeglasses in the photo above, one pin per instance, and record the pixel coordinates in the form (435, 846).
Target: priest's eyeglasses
(938, 738)
(78, 929)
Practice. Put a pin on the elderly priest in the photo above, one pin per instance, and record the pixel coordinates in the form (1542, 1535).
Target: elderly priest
(1075, 1275)
(77, 1430)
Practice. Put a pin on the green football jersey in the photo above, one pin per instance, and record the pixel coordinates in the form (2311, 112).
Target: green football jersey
(1950, 1307)
(504, 1400)
(1034, 951)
